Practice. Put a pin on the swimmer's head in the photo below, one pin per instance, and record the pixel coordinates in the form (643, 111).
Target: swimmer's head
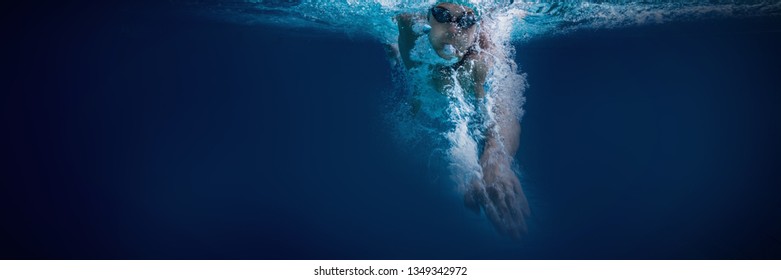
(453, 29)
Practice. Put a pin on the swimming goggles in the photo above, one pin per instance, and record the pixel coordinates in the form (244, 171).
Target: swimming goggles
(443, 15)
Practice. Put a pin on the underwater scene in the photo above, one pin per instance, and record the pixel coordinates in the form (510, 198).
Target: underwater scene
(272, 129)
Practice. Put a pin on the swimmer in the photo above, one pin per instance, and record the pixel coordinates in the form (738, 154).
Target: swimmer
(453, 36)
(456, 36)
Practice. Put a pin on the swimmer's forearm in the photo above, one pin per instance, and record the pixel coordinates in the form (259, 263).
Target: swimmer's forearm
(497, 154)
(510, 133)
(502, 139)
(479, 91)
(407, 38)
(480, 75)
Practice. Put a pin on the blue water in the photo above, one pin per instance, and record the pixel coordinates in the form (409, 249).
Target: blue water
(153, 131)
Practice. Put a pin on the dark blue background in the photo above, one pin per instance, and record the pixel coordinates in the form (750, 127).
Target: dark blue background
(135, 131)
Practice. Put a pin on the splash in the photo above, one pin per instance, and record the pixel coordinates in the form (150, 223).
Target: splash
(447, 120)
(529, 19)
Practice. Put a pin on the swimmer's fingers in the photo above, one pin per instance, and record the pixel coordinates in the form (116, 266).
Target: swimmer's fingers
(513, 187)
(502, 200)
(474, 198)
(509, 209)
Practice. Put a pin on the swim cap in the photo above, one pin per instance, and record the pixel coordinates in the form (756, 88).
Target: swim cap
(465, 3)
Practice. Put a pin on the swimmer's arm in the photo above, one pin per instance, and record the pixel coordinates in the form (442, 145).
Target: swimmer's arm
(504, 136)
(501, 140)
(406, 41)
(479, 75)
(482, 66)
(407, 38)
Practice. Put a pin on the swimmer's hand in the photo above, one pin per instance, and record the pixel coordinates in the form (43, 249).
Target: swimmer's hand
(500, 196)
